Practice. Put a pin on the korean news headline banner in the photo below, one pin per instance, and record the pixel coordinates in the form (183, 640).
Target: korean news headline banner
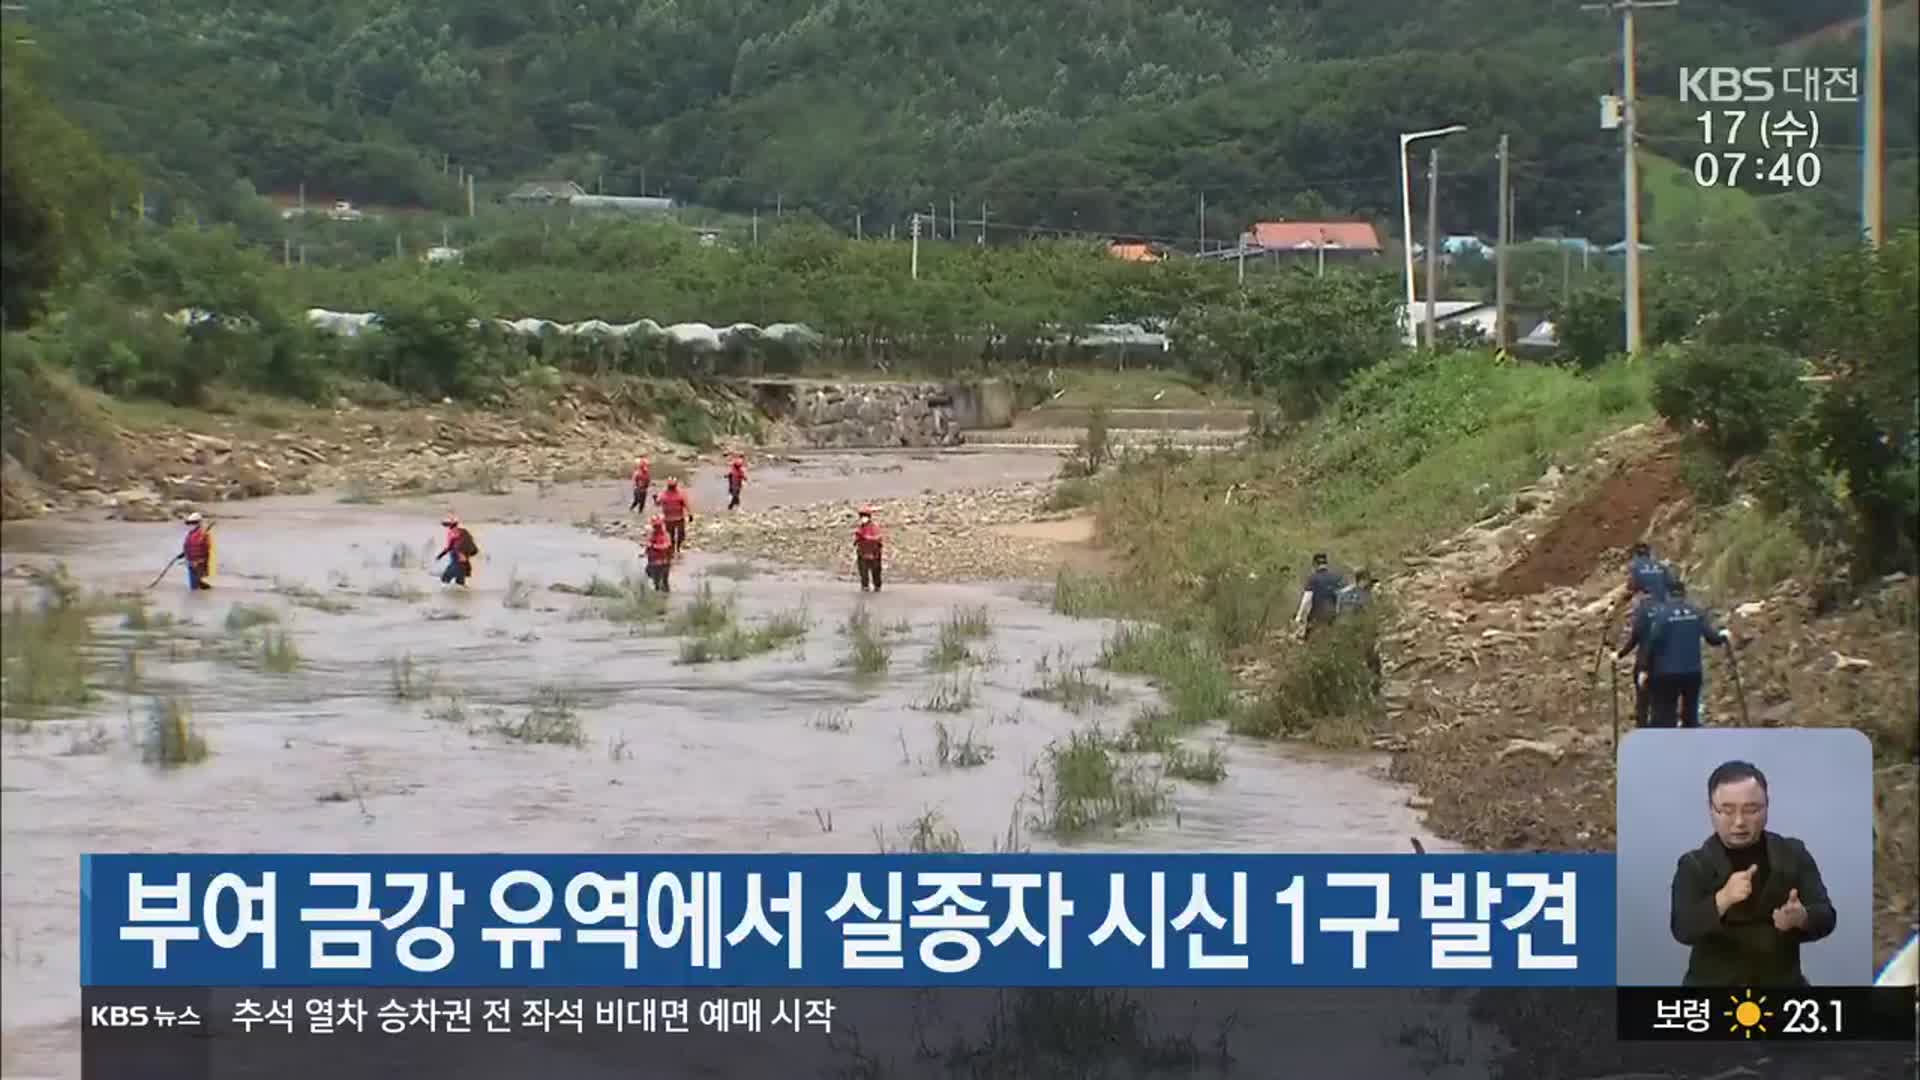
(847, 920)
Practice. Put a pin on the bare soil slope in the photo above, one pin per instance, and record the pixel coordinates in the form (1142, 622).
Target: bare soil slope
(1501, 709)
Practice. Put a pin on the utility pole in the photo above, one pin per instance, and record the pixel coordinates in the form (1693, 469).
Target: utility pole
(983, 224)
(857, 234)
(779, 205)
(756, 226)
(1433, 237)
(1240, 253)
(399, 252)
(1630, 165)
(914, 230)
(469, 194)
(1500, 253)
(953, 224)
(286, 251)
(1873, 167)
(1203, 223)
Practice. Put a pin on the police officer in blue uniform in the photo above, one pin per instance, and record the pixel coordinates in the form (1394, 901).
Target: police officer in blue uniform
(1647, 579)
(1647, 576)
(1675, 631)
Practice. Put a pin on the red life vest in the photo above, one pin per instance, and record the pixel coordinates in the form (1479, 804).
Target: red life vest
(659, 548)
(738, 470)
(456, 537)
(867, 541)
(642, 476)
(673, 504)
(199, 545)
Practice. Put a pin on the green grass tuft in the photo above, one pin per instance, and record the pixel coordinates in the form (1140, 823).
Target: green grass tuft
(172, 738)
(1088, 787)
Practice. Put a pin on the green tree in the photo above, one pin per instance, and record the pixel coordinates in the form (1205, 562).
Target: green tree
(429, 344)
(1739, 396)
(1294, 335)
(57, 193)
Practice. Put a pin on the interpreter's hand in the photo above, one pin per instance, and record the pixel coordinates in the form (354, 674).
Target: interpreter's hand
(1791, 915)
(1739, 886)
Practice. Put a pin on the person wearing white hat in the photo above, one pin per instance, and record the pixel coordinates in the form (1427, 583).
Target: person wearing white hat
(197, 552)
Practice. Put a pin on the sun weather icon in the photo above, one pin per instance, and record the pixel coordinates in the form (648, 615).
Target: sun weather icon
(1748, 1014)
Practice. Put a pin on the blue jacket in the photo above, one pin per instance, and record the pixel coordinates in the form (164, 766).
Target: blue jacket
(1649, 576)
(1674, 637)
(1324, 586)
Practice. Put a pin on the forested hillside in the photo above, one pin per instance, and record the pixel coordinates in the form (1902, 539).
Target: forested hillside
(1106, 115)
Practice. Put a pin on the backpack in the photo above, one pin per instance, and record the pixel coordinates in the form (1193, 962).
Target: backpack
(467, 547)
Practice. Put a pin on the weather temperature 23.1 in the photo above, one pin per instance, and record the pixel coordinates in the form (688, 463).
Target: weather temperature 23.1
(1730, 168)
(1833, 1014)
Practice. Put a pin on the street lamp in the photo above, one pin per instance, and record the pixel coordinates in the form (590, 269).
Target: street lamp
(1406, 213)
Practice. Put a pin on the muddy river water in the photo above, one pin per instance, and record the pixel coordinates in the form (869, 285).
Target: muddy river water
(782, 752)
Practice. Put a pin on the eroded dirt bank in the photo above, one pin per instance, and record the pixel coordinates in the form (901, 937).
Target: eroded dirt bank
(1498, 714)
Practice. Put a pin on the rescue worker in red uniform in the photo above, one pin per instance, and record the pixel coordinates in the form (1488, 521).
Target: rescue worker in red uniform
(868, 544)
(642, 480)
(197, 551)
(659, 556)
(459, 552)
(736, 479)
(676, 512)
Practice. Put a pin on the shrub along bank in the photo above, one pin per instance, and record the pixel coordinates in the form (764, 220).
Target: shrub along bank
(1215, 546)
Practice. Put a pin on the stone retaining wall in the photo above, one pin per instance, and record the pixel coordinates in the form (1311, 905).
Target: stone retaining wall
(875, 414)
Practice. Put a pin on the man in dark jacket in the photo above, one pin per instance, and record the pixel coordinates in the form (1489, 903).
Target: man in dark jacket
(1639, 642)
(1747, 899)
(1675, 632)
(1647, 582)
(1319, 598)
(1647, 577)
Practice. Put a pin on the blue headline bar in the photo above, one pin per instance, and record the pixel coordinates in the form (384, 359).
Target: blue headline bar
(847, 920)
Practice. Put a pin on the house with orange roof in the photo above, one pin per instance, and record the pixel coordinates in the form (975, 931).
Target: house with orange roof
(1314, 239)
